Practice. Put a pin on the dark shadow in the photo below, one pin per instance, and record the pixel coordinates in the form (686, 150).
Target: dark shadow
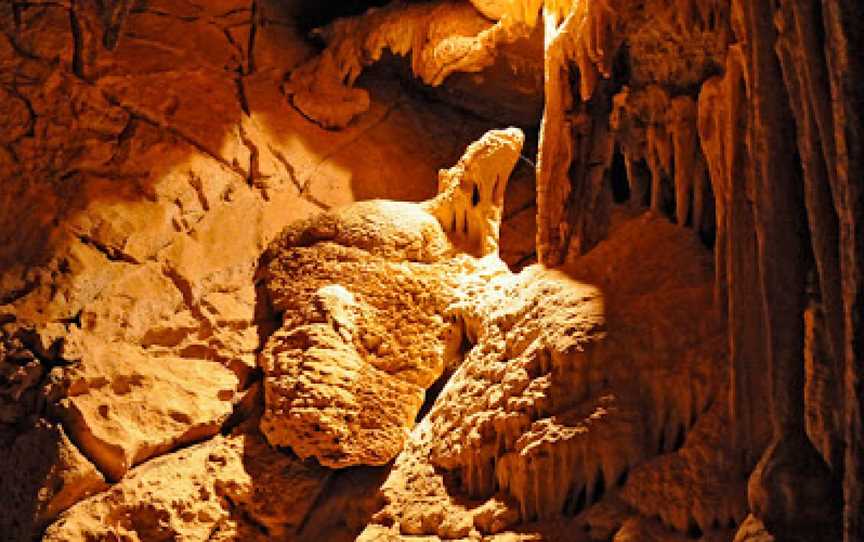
(432, 393)
(346, 505)
(313, 15)
(27, 469)
(302, 500)
(618, 176)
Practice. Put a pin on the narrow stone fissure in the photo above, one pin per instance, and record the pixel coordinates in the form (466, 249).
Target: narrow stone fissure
(253, 172)
(113, 20)
(77, 42)
(113, 254)
(241, 93)
(432, 393)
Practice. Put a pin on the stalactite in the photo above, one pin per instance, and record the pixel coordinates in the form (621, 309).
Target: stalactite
(723, 128)
(689, 165)
(712, 123)
(442, 37)
(581, 33)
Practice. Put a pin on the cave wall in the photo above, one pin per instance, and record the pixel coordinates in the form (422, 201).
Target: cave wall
(147, 157)
(755, 143)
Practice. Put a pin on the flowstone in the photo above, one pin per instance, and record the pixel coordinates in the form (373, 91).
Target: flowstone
(564, 381)
(367, 296)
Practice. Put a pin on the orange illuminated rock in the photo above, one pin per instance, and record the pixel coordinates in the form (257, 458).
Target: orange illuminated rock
(123, 406)
(581, 392)
(442, 37)
(186, 496)
(366, 296)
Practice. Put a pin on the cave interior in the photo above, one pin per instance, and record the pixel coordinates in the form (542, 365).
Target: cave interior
(427, 270)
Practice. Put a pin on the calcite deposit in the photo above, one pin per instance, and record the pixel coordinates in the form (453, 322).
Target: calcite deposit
(366, 296)
(442, 38)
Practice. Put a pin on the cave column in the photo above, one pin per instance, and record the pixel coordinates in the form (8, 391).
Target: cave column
(790, 489)
(749, 378)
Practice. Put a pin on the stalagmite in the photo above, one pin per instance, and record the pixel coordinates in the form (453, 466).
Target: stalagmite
(366, 296)
(470, 198)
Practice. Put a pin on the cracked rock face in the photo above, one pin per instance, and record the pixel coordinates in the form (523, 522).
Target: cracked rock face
(233, 487)
(124, 408)
(148, 158)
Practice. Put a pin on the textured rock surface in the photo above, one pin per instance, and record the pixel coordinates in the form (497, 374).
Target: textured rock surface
(771, 85)
(366, 295)
(559, 415)
(43, 474)
(128, 309)
(151, 151)
(123, 407)
(216, 487)
(442, 37)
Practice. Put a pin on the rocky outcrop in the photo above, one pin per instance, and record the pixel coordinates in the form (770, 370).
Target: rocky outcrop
(228, 487)
(129, 318)
(556, 418)
(366, 296)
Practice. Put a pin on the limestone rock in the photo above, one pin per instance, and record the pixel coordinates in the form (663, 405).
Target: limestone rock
(555, 408)
(197, 491)
(124, 192)
(43, 474)
(133, 214)
(546, 378)
(124, 406)
(470, 200)
(324, 400)
(365, 295)
(443, 37)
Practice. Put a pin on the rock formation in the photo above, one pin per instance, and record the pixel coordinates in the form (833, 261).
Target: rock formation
(442, 38)
(768, 100)
(366, 295)
(235, 304)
